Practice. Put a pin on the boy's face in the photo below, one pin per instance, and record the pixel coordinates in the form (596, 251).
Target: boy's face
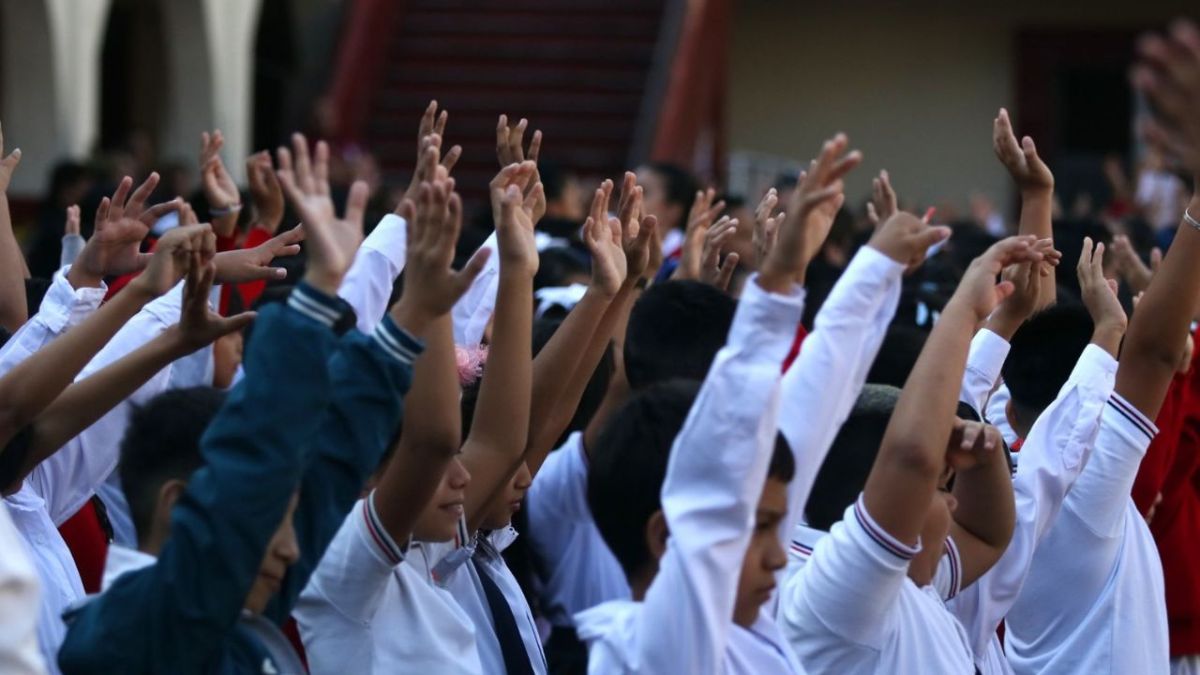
(282, 553)
(508, 503)
(439, 520)
(765, 555)
(654, 199)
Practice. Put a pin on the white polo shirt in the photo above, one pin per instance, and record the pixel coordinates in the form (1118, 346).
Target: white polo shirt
(19, 599)
(852, 608)
(715, 478)
(370, 608)
(1094, 600)
(579, 572)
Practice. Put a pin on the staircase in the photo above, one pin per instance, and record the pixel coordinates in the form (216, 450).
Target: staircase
(579, 70)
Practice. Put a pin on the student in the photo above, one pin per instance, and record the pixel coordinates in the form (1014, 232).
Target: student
(272, 490)
(699, 570)
(1114, 617)
(862, 603)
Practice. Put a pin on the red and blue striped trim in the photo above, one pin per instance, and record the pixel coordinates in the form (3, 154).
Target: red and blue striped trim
(383, 540)
(879, 536)
(1134, 416)
(955, 567)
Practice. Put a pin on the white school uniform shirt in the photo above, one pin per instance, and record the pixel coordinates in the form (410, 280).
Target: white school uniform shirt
(715, 477)
(368, 284)
(822, 385)
(474, 309)
(460, 578)
(371, 607)
(19, 600)
(851, 608)
(1054, 453)
(62, 484)
(580, 570)
(1094, 600)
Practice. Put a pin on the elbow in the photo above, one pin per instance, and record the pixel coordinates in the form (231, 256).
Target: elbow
(914, 458)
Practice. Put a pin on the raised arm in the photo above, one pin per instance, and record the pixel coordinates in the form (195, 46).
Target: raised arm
(13, 311)
(500, 428)
(1166, 75)
(1036, 184)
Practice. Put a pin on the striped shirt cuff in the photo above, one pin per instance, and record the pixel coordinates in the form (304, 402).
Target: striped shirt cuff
(880, 536)
(1133, 416)
(379, 534)
(397, 342)
(315, 305)
(955, 561)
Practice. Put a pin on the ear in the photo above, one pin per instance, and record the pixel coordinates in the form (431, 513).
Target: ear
(168, 494)
(656, 536)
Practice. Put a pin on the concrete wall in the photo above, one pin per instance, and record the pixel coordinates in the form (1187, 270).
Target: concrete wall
(915, 84)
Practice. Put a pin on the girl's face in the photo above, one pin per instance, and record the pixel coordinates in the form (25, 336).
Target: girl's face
(439, 520)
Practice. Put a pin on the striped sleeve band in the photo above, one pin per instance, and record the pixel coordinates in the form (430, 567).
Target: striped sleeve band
(1134, 416)
(314, 304)
(955, 567)
(880, 536)
(397, 342)
(388, 546)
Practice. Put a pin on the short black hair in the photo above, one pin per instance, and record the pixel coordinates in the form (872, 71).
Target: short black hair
(556, 265)
(554, 177)
(675, 331)
(844, 472)
(1043, 354)
(162, 443)
(896, 358)
(680, 187)
(629, 466)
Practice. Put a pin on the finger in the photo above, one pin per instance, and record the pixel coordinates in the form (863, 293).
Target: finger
(1098, 261)
(535, 146)
(1112, 285)
(466, 276)
(1156, 258)
(139, 197)
(102, 213)
(321, 168)
(439, 128)
(152, 214)
(536, 195)
(304, 174)
(120, 197)
(451, 158)
(727, 269)
(356, 203)
(1003, 290)
(426, 126)
(970, 434)
(72, 226)
(502, 133)
(516, 140)
(235, 323)
(1085, 258)
(872, 214)
(932, 235)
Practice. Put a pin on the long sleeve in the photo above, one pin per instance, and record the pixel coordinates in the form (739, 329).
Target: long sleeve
(821, 387)
(715, 476)
(473, 310)
(371, 277)
(984, 363)
(62, 308)
(174, 615)
(19, 653)
(69, 477)
(370, 377)
(1055, 452)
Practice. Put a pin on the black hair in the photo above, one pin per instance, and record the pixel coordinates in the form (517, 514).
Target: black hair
(675, 331)
(597, 386)
(679, 186)
(629, 465)
(1043, 354)
(844, 472)
(162, 443)
(558, 264)
(901, 347)
(783, 464)
(554, 177)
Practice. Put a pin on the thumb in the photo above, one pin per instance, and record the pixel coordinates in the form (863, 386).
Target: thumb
(932, 235)
(1156, 258)
(12, 160)
(466, 276)
(727, 269)
(1003, 290)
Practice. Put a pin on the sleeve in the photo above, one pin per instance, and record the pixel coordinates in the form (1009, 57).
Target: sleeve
(175, 614)
(848, 590)
(996, 414)
(820, 388)
(559, 495)
(1100, 496)
(370, 377)
(1052, 457)
(473, 310)
(69, 477)
(947, 579)
(984, 363)
(335, 609)
(370, 279)
(715, 476)
(62, 308)
(72, 246)
(19, 604)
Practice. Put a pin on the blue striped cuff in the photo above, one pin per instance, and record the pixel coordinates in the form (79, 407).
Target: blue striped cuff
(880, 536)
(397, 342)
(1134, 416)
(379, 534)
(314, 304)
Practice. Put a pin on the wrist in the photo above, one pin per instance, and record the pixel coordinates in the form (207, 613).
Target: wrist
(410, 319)
(1004, 324)
(323, 280)
(79, 276)
(1029, 192)
(140, 288)
(1108, 337)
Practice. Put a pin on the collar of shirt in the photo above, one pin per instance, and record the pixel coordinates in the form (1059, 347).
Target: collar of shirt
(491, 544)
(614, 622)
(122, 559)
(447, 557)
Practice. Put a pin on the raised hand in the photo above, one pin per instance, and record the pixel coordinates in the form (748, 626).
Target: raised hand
(972, 444)
(1021, 159)
(1098, 293)
(1169, 76)
(883, 200)
(430, 133)
(713, 270)
(700, 219)
(906, 239)
(766, 227)
(1130, 265)
(122, 222)
(199, 325)
(8, 164)
(73, 220)
(172, 258)
(332, 241)
(514, 228)
(809, 216)
(254, 264)
(510, 150)
(265, 191)
(978, 292)
(431, 286)
(224, 200)
(639, 242)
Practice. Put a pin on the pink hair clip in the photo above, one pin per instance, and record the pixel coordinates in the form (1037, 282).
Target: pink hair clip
(470, 361)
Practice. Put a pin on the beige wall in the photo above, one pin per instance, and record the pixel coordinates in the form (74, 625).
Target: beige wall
(915, 85)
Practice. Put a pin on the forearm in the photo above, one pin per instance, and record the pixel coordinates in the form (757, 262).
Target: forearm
(1037, 208)
(1159, 328)
(500, 427)
(13, 310)
(986, 508)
